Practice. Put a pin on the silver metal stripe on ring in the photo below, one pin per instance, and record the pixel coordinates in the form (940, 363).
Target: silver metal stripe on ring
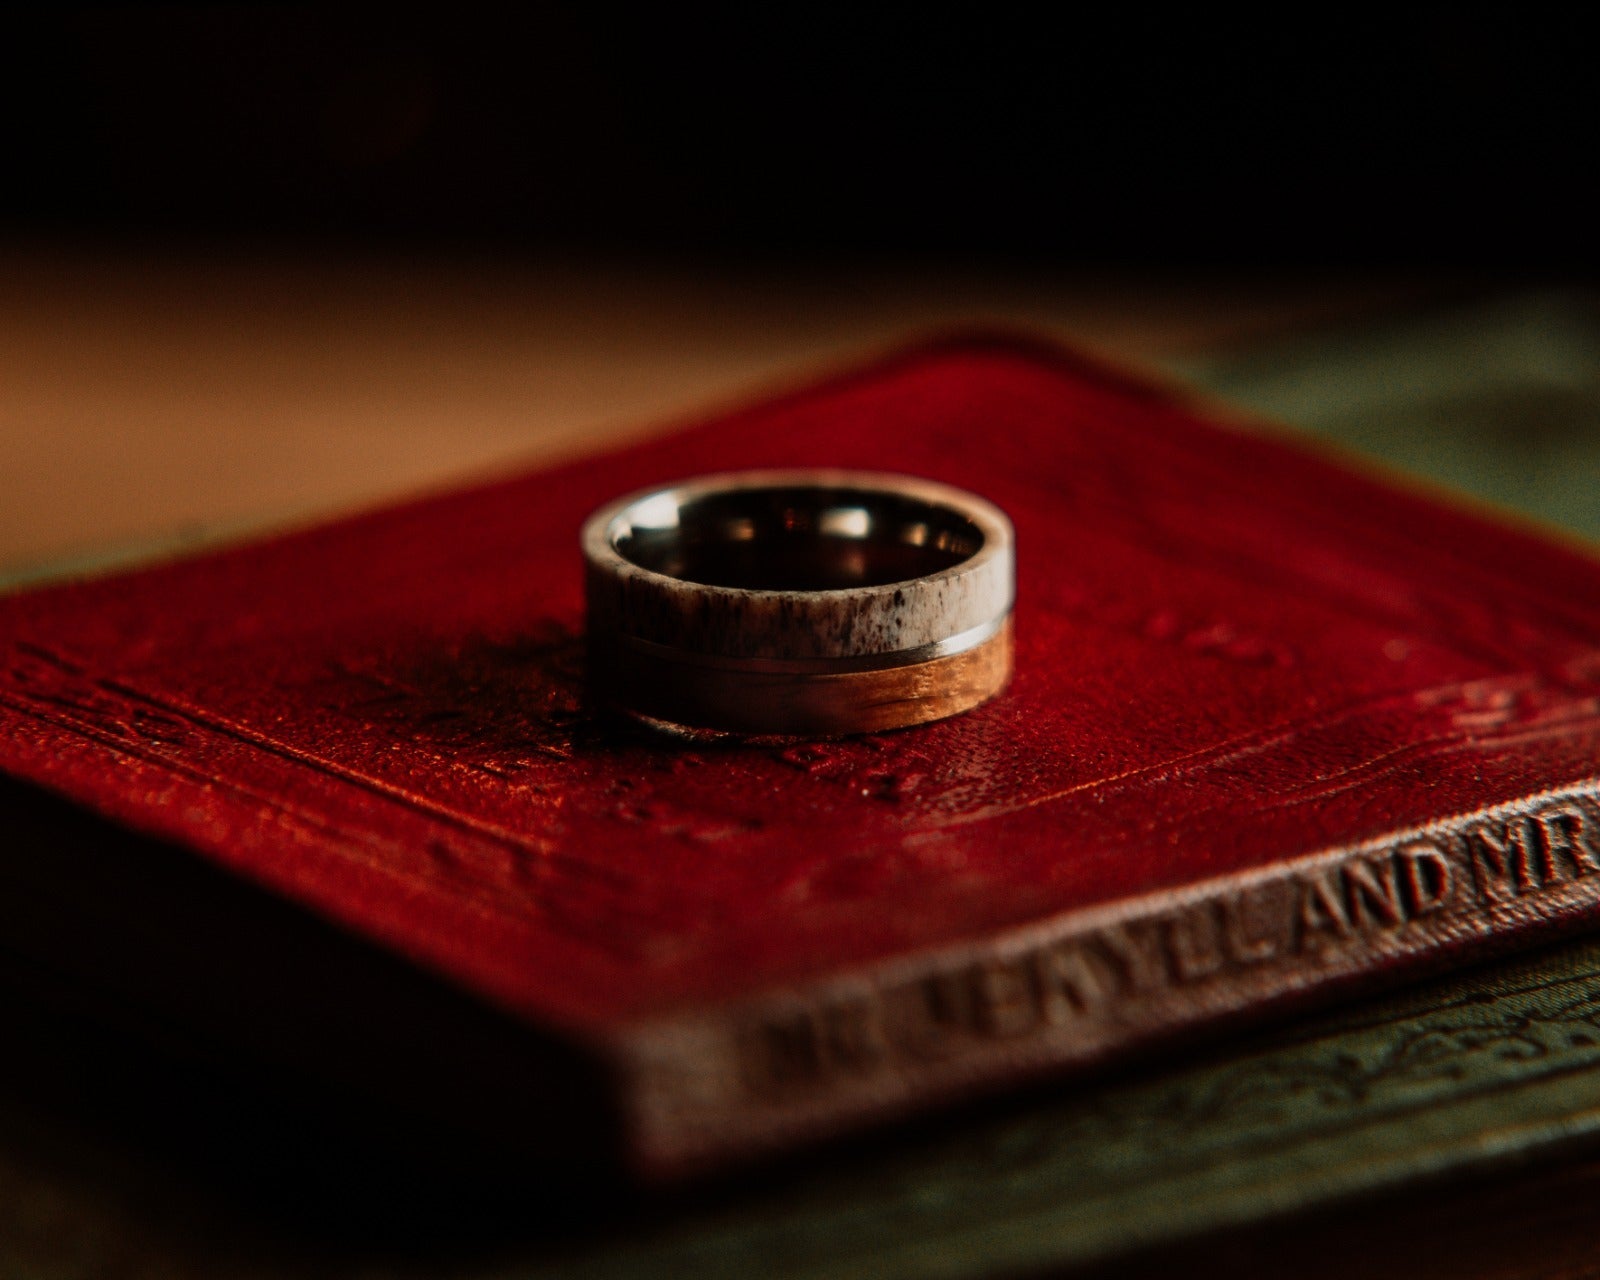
(946, 648)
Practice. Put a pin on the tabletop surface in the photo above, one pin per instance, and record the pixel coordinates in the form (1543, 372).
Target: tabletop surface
(156, 400)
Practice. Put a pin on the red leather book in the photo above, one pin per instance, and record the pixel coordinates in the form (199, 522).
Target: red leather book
(1278, 731)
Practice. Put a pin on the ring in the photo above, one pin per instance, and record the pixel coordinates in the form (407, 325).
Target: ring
(799, 603)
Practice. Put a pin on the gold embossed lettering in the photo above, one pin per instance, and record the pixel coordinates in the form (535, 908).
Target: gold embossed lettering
(1322, 914)
(1373, 891)
(1567, 833)
(976, 1003)
(1136, 949)
(1429, 878)
(1068, 983)
(925, 1017)
(1194, 943)
(1246, 943)
(1500, 864)
(1004, 997)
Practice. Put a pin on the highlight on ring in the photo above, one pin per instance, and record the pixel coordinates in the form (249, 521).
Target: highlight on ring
(799, 603)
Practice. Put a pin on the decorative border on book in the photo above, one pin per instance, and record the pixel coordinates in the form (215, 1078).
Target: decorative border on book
(1092, 984)
(1082, 987)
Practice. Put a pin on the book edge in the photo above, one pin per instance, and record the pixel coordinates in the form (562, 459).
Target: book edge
(710, 1086)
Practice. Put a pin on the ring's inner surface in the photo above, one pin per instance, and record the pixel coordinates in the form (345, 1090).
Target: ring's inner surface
(794, 538)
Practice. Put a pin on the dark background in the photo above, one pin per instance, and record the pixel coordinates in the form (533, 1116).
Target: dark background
(1444, 137)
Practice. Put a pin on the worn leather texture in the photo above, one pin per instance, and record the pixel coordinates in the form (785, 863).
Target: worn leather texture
(1278, 730)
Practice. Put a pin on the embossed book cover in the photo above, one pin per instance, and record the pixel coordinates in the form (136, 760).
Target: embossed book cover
(1278, 731)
